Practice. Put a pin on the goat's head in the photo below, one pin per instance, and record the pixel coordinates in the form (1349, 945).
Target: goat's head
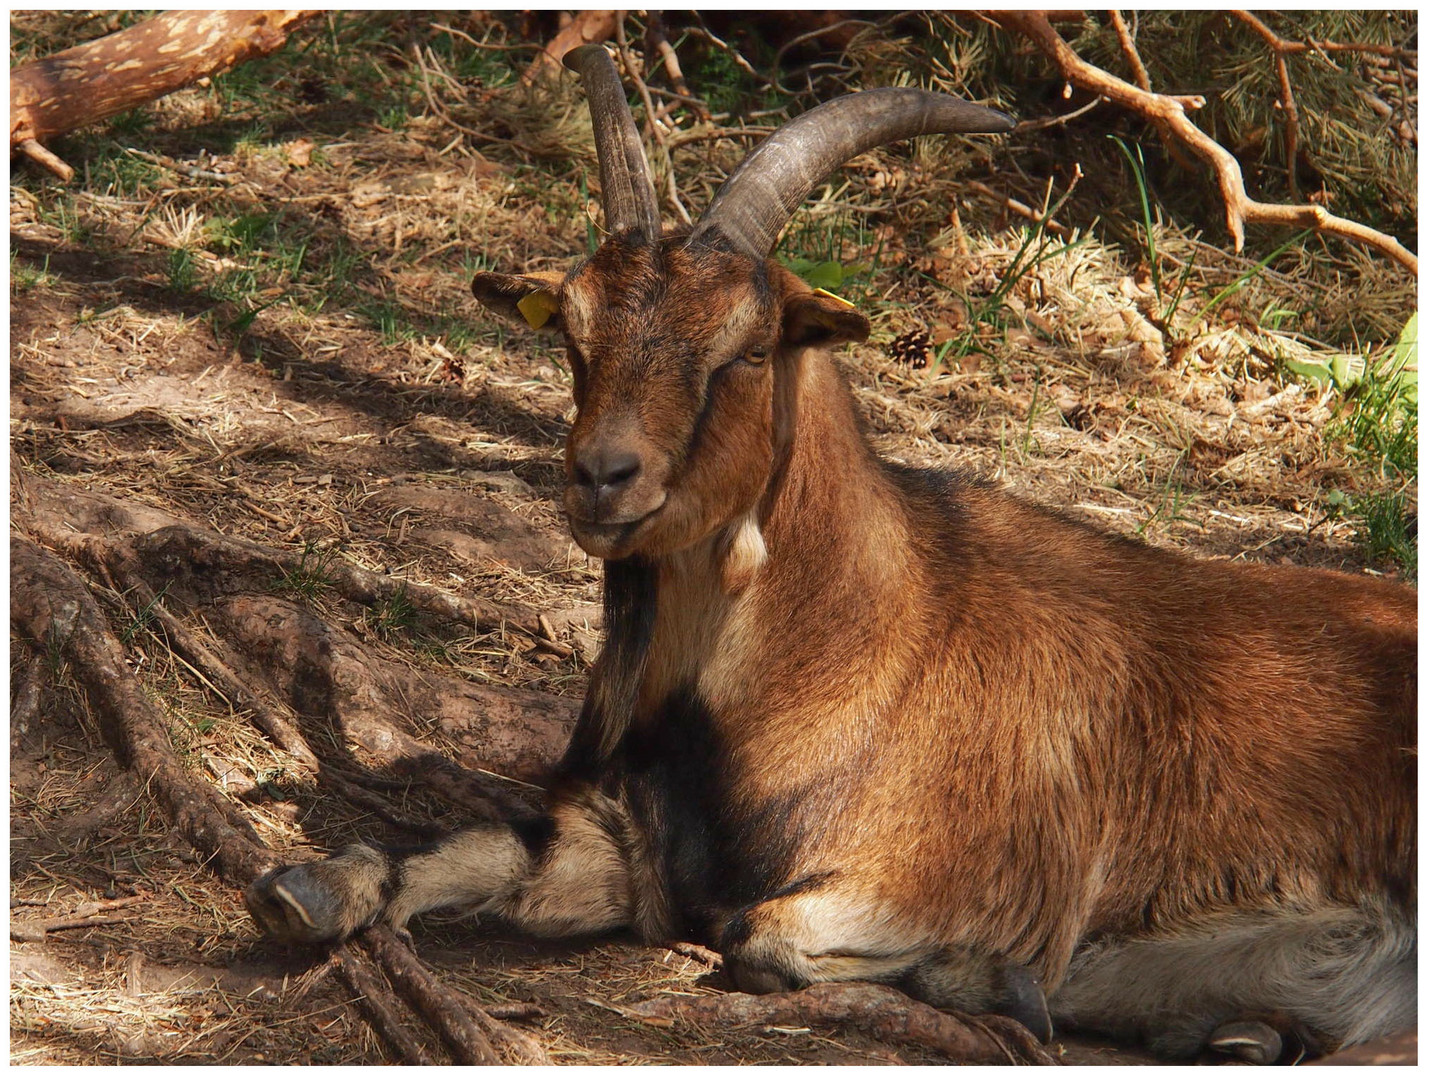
(682, 347)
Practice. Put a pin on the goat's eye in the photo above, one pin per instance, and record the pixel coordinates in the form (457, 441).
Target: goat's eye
(757, 355)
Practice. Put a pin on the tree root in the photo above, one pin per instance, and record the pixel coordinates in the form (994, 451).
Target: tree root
(466, 1029)
(51, 606)
(355, 971)
(879, 1011)
(1168, 113)
(56, 611)
(114, 537)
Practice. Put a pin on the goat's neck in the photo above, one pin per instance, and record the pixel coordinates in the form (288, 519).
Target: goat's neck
(828, 525)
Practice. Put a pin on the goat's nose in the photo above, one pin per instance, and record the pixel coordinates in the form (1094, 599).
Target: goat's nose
(605, 470)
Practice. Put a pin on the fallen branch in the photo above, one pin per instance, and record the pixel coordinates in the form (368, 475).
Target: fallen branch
(1128, 49)
(879, 1011)
(105, 77)
(1168, 113)
(585, 28)
(1280, 48)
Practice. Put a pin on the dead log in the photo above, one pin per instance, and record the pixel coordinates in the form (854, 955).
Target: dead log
(879, 1011)
(103, 78)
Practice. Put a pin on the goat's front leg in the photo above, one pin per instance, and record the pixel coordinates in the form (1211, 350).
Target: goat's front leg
(564, 874)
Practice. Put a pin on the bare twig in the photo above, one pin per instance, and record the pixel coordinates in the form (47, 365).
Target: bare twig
(652, 123)
(1020, 208)
(1026, 127)
(1169, 113)
(1279, 46)
(46, 159)
(658, 43)
(1128, 49)
(734, 54)
(191, 171)
(808, 35)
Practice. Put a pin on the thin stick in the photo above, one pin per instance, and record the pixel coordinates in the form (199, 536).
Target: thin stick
(652, 123)
(46, 159)
(1128, 48)
(1057, 229)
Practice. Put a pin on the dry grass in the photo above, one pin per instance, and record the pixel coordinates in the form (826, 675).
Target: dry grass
(267, 357)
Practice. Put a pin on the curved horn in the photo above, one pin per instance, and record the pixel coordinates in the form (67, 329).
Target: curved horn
(762, 194)
(627, 193)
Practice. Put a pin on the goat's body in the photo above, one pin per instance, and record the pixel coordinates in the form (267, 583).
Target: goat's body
(855, 721)
(1021, 735)
(1180, 792)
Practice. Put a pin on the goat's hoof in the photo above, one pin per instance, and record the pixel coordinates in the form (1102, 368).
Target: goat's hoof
(1249, 1040)
(1026, 1003)
(319, 901)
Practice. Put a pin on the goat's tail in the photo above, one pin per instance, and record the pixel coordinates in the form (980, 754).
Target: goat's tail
(1347, 975)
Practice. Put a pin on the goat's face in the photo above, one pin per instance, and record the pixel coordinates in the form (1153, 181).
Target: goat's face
(685, 349)
(676, 350)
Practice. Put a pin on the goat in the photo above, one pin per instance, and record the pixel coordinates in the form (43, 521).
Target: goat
(859, 721)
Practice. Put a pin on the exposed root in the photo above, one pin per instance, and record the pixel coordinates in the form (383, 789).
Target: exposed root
(377, 1002)
(468, 1032)
(221, 677)
(54, 608)
(84, 525)
(879, 1011)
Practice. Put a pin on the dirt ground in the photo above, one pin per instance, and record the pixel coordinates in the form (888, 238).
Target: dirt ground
(411, 436)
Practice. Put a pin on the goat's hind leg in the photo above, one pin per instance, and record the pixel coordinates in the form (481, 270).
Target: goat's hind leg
(803, 937)
(1259, 986)
(561, 874)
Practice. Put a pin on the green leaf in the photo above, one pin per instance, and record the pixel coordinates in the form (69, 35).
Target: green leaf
(1315, 368)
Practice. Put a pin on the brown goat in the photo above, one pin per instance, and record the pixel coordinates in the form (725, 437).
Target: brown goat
(860, 721)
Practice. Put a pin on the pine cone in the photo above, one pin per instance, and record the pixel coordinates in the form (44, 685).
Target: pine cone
(914, 348)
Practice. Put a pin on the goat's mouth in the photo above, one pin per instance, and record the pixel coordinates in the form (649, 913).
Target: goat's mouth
(613, 537)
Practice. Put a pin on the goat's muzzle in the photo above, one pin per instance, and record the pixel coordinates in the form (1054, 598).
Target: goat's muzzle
(612, 489)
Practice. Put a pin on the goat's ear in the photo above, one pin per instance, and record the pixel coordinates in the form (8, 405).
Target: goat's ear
(534, 297)
(821, 318)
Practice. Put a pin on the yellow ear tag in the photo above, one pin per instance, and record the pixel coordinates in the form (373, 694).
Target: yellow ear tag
(836, 299)
(538, 307)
